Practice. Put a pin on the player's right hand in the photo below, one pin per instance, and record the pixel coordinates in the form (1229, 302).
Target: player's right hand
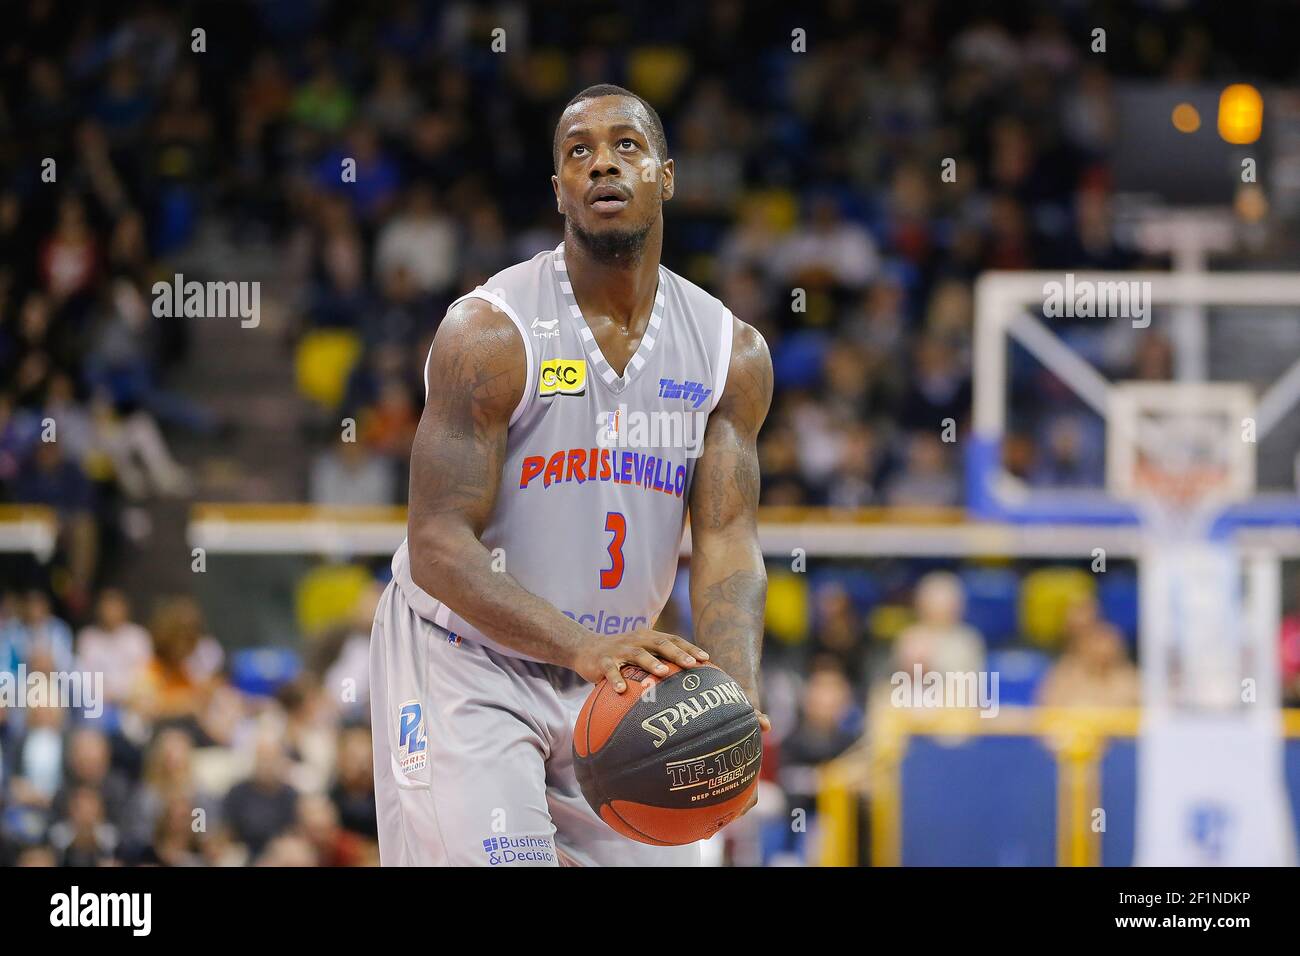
(602, 657)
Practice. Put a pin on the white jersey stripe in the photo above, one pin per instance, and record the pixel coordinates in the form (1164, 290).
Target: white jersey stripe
(724, 358)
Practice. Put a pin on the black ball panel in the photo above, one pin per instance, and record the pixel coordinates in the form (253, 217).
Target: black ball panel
(691, 742)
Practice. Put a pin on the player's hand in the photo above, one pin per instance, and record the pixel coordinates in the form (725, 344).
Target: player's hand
(602, 658)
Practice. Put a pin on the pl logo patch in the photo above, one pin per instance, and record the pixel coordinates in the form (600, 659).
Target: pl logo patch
(412, 745)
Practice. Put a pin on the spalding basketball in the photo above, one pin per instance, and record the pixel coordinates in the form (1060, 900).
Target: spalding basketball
(671, 763)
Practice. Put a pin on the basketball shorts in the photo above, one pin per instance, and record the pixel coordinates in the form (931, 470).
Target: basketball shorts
(474, 756)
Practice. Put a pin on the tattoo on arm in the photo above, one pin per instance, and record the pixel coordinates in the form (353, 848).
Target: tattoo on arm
(729, 614)
(477, 375)
(461, 443)
(728, 580)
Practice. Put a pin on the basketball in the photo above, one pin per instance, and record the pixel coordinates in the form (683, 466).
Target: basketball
(673, 763)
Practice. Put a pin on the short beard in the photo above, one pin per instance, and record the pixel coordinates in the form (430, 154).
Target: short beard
(615, 247)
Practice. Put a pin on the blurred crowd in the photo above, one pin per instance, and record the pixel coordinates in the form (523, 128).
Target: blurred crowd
(809, 199)
(175, 757)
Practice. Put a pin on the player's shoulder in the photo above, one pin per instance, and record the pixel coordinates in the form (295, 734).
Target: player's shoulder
(472, 319)
(748, 347)
(749, 377)
(478, 355)
(476, 342)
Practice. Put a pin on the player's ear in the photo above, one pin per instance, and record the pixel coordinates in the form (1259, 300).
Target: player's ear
(666, 177)
(555, 185)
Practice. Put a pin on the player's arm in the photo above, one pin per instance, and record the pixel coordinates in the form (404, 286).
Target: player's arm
(477, 374)
(728, 579)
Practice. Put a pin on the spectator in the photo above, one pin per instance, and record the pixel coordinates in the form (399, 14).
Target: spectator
(939, 641)
(168, 777)
(176, 683)
(49, 479)
(853, 483)
(263, 807)
(114, 646)
(20, 430)
(1072, 455)
(422, 240)
(354, 790)
(36, 759)
(927, 480)
(334, 846)
(175, 839)
(350, 474)
(323, 103)
(829, 723)
(142, 463)
(84, 837)
(35, 633)
(828, 250)
(939, 389)
(289, 850)
(388, 426)
(840, 633)
(70, 257)
(1093, 672)
(89, 768)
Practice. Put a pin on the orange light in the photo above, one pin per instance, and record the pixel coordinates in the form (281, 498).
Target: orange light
(1241, 114)
(1250, 203)
(1186, 118)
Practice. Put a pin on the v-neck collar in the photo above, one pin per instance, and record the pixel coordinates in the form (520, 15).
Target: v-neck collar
(612, 379)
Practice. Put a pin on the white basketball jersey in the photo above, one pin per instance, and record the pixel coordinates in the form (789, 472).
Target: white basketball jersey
(593, 496)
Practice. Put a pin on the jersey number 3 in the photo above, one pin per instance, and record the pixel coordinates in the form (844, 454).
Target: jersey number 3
(617, 525)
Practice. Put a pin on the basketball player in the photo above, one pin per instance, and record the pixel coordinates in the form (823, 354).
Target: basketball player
(546, 520)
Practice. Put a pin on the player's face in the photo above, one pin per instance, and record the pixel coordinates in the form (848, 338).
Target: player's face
(609, 181)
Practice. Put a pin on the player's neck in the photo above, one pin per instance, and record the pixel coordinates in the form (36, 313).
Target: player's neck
(621, 290)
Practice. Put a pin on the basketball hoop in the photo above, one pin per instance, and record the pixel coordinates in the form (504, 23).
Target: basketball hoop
(1176, 450)
(1179, 491)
